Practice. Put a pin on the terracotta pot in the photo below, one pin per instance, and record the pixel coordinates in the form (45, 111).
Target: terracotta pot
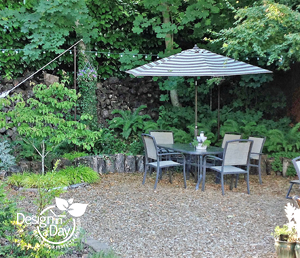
(285, 249)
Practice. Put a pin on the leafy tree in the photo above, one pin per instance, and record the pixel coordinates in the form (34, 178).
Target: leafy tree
(116, 36)
(33, 25)
(183, 23)
(168, 18)
(42, 118)
(268, 31)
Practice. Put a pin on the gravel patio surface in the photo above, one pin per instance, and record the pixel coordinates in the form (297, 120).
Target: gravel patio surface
(137, 221)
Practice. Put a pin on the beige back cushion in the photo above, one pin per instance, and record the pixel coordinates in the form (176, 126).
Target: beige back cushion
(256, 147)
(163, 137)
(150, 147)
(298, 166)
(237, 153)
(230, 137)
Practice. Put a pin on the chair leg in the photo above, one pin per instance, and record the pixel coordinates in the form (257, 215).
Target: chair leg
(158, 171)
(222, 183)
(184, 175)
(203, 178)
(231, 182)
(236, 180)
(288, 193)
(170, 176)
(160, 174)
(248, 186)
(259, 171)
(144, 179)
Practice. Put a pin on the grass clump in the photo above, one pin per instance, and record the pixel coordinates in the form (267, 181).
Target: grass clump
(62, 178)
(80, 174)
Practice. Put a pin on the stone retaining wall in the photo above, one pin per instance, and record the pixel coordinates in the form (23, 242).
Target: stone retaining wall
(114, 93)
(119, 163)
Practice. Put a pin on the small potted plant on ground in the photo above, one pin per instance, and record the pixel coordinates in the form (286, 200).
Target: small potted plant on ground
(285, 241)
(296, 218)
(286, 237)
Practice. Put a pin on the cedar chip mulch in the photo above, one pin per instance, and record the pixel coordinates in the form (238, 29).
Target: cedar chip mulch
(137, 221)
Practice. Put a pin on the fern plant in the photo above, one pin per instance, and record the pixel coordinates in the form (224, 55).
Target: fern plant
(208, 127)
(129, 122)
(6, 160)
(245, 127)
(278, 140)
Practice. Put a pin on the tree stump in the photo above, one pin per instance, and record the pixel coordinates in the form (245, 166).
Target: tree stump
(130, 164)
(110, 163)
(101, 165)
(120, 163)
(140, 164)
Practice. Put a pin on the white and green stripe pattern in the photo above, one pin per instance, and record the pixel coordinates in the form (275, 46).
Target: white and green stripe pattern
(196, 62)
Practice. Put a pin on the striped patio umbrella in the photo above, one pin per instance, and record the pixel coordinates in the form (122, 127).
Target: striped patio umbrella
(196, 62)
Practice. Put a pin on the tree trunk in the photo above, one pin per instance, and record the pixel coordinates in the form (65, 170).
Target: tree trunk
(43, 157)
(174, 98)
(169, 46)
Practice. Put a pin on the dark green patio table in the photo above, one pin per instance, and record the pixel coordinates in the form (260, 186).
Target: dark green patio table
(188, 149)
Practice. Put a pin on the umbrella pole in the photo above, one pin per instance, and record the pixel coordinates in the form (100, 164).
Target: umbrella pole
(218, 112)
(196, 111)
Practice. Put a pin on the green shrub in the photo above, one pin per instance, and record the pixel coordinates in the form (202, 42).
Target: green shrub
(284, 141)
(277, 163)
(32, 180)
(7, 212)
(73, 155)
(79, 174)
(111, 144)
(62, 178)
(6, 159)
(21, 241)
(129, 122)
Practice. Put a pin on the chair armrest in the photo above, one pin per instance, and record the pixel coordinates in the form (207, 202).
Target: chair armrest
(212, 157)
(170, 153)
(258, 153)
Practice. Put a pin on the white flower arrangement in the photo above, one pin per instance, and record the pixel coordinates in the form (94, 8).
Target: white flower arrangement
(293, 215)
(289, 232)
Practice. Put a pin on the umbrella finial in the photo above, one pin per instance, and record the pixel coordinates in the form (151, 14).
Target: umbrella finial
(196, 48)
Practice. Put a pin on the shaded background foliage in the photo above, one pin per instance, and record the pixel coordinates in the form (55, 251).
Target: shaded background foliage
(137, 29)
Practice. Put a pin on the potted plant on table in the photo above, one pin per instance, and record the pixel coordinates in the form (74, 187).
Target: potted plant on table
(201, 143)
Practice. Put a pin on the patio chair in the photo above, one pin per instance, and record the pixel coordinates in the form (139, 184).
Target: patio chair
(230, 137)
(153, 159)
(256, 153)
(235, 161)
(296, 163)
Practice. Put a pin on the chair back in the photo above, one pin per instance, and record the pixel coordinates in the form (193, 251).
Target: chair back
(150, 146)
(296, 163)
(237, 153)
(230, 137)
(162, 136)
(258, 144)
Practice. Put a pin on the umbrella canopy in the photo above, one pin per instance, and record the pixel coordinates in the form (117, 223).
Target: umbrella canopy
(196, 62)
